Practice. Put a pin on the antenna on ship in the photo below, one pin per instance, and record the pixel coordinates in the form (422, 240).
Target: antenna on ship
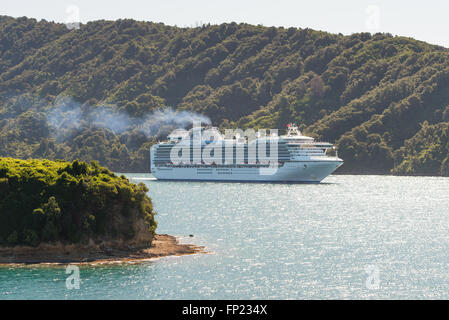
(292, 129)
(336, 151)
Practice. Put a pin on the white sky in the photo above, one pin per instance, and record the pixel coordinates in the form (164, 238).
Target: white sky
(423, 20)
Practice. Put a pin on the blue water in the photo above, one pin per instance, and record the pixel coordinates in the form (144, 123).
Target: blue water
(363, 237)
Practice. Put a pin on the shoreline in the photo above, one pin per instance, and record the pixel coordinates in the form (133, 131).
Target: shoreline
(337, 174)
(163, 245)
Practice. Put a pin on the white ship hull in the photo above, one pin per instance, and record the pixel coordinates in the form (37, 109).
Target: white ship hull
(206, 155)
(309, 171)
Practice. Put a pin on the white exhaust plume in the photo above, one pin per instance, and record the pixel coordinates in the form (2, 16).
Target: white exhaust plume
(68, 115)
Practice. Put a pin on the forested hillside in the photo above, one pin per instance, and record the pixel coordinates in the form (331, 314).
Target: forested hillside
(101, 92)
(46, 202)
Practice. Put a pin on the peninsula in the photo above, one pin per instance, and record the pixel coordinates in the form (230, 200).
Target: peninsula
(62, 212)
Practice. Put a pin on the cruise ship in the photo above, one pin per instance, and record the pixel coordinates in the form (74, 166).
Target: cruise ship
(204, 154)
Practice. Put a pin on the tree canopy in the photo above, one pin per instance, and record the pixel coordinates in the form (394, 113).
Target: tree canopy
(379, 97)
(44, 201)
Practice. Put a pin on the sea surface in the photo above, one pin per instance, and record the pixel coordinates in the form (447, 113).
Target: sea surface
(350, 237)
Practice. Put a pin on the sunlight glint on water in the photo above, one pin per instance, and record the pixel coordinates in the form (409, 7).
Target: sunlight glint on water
(278, 241)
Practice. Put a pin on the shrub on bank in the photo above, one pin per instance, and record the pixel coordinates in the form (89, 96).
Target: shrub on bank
(44, 201)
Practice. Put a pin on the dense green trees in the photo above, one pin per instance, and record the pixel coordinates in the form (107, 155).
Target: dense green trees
(46, 201)
(425, 152)
(368, 93)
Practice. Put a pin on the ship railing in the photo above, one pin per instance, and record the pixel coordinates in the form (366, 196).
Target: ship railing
(239, 165)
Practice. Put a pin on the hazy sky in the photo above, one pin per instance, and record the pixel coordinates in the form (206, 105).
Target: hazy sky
(423, 20)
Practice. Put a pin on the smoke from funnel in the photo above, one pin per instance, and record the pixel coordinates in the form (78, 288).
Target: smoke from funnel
(68, 115)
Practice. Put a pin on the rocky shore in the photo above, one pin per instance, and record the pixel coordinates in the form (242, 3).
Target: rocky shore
(163, 245)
